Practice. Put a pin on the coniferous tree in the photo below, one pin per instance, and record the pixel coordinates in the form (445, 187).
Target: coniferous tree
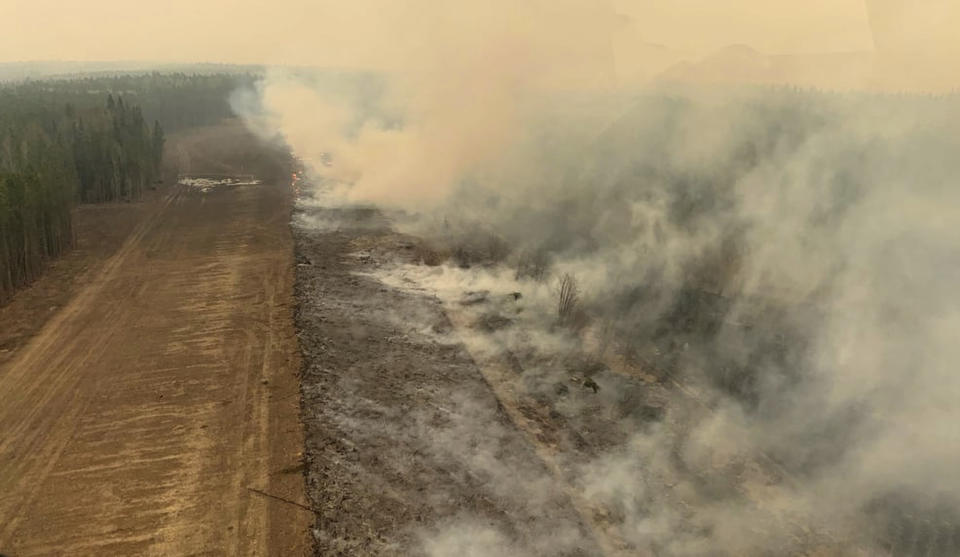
(157, 144)
(51, 158)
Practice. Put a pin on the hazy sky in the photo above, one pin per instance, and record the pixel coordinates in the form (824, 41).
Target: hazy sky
(338, 32)
(773, 26)
(634, 40)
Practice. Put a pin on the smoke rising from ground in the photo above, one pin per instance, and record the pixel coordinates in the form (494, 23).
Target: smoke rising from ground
(793, 254)
(462, 77)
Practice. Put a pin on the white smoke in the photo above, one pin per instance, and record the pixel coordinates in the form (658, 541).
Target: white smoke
(825, 226)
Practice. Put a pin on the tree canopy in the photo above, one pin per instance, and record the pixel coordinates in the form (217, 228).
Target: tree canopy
(86, 140)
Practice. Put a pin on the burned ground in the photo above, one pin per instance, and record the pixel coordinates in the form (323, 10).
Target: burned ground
(439, 422)
(403, 434)
(434, 424)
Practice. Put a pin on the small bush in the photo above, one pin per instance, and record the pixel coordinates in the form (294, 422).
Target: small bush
(533, 265)
(478, 247)
(430, 256)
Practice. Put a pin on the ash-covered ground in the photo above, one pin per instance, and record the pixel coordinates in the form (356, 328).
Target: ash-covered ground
(443, 420)
(448, 413)
(722, 318)
(408, 450)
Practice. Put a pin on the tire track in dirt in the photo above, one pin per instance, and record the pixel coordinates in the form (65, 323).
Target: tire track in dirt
(54, 378)
(136, 419)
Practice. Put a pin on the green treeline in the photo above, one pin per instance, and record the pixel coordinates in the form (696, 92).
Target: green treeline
(51, 159)
(177, 100)
(87, 140)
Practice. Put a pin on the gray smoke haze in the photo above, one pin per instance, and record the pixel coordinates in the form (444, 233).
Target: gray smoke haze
(794, 255)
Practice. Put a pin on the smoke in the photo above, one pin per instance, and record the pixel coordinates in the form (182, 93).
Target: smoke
(463, 77)
(799, 246)
(789, 257)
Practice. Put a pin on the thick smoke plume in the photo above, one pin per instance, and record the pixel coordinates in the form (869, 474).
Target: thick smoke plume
(463, 76)
(792, 253)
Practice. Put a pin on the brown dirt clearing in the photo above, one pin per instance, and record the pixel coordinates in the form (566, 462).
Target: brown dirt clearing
(156, 410)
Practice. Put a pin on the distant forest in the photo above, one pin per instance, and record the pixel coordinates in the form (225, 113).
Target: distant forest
(88, 140)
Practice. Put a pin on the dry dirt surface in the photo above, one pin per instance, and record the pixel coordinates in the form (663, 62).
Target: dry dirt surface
(157, 411)
(100, 231)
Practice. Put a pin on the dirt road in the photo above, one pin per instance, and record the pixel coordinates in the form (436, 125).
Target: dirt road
(157, 412)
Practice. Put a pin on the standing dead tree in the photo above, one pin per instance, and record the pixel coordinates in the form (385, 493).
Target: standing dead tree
(568, 299)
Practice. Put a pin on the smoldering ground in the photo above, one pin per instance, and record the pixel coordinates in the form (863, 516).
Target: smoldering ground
(777, 265)
(820, 356)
